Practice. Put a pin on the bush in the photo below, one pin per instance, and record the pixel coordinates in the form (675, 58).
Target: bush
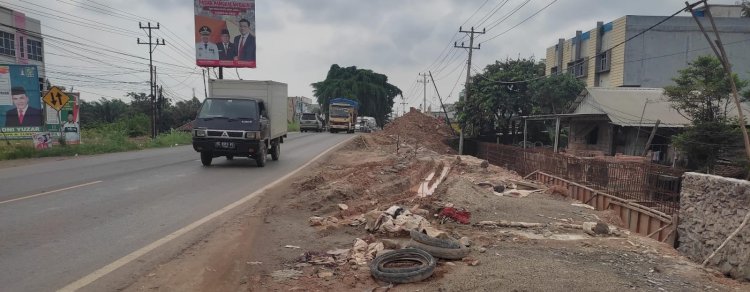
(292, 127)
(173, 138)
(706, 143)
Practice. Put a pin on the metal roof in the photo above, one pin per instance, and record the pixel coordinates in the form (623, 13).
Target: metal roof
(624, 106)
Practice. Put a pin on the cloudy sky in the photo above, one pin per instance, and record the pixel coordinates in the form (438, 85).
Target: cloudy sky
(298, 40)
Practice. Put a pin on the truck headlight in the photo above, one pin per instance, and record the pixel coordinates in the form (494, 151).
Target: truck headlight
(252, 135)
(200, 133)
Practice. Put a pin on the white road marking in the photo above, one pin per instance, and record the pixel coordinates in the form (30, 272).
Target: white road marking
(50, 192)
(103, 271)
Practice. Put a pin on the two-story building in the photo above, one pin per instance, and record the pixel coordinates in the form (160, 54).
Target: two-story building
(21, 40)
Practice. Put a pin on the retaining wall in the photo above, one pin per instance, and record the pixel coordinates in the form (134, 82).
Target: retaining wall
(712, 207)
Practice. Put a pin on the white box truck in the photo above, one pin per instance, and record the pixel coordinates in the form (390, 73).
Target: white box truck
(241, 118)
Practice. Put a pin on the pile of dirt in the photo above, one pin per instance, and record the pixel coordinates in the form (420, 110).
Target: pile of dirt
(418, 130)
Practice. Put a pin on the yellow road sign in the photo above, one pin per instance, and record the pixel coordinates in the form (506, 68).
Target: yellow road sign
(55, 98)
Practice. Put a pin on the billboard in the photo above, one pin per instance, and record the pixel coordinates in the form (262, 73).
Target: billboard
(70, 129)
(225, 33)
(21, 112)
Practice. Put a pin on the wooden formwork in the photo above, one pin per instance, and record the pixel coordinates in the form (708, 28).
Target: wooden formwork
(637, 218)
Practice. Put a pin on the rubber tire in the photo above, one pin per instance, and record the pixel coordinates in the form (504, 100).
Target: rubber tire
(433, 241)
(260, 160)
(440, 252)
(230, 157)
(403, 275)
(275, 151)
(206, 158)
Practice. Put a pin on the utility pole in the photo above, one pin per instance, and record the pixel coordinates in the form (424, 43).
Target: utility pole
(447, 119)
(152, 44)
(403, 105)
(424, 81)
(720, 53)
(471, 48)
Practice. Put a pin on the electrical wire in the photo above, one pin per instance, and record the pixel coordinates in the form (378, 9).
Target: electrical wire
(523, 21)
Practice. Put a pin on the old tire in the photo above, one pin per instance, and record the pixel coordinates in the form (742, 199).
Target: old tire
(433, 241)
(260, 159)
(425, 266)
(441, 252)
(206, 158)
(275, 151)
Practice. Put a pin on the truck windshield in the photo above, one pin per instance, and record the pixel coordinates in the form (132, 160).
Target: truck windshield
(229, 108)
(339, 112)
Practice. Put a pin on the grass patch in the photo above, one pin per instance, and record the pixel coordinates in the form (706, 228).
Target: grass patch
(292, 127)
(95, 141)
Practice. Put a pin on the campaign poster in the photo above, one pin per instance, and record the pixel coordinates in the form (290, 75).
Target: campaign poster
(225, 33)
(42, 141)
(21, 111)
(69, 128)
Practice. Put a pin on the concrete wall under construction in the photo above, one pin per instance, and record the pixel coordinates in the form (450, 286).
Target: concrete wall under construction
(711, 208)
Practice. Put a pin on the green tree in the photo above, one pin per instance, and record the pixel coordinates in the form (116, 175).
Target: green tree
(500, 93)
(707, 142)
(703, 92)
(554, 94)
(703, 95)
(372, 90)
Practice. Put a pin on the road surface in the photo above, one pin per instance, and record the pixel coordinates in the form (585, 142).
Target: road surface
(62, 220)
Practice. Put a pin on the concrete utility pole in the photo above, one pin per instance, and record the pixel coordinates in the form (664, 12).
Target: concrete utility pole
(447, 119)
(471, 48)
(152, 44)
(424, 81)
(403, 104)
(719, 51)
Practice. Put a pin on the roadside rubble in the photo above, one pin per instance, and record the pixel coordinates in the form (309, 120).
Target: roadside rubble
(482, 227)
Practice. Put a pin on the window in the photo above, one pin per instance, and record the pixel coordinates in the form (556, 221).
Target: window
(34, 48)
(578, 68)
(7, 43)
(553, 70)
(604, 61)
(20, 44)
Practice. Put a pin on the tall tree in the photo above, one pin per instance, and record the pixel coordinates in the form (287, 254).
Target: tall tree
(702, 91)
(372, 90)
(499, 94)
(702, 94)
(555, 94)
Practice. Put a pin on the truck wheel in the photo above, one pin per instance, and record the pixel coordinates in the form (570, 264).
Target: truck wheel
(230, 157)
(206, 158)
(260, 160)
(275, 151)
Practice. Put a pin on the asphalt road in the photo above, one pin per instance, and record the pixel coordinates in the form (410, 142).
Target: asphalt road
(62, 220)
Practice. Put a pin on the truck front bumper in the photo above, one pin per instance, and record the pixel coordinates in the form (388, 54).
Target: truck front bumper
(214, 145)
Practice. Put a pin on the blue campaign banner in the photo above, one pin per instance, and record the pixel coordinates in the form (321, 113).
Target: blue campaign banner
(21, 110)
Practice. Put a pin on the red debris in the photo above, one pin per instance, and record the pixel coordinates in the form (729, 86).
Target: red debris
(462, 217)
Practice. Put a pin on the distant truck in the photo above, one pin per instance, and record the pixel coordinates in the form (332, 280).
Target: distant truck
(366, 124)
(241, 118)
(342, 115)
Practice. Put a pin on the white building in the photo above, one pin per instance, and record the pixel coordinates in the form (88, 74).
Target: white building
(21, 40)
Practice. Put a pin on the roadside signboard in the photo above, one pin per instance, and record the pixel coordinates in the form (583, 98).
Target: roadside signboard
(225, 33)
(21, 112)
(55, 98)
(66, 122)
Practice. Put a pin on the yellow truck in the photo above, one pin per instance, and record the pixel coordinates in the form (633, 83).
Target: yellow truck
(342, 115)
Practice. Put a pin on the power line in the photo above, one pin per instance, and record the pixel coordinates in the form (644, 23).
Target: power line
(507, 16)
(527, 18)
